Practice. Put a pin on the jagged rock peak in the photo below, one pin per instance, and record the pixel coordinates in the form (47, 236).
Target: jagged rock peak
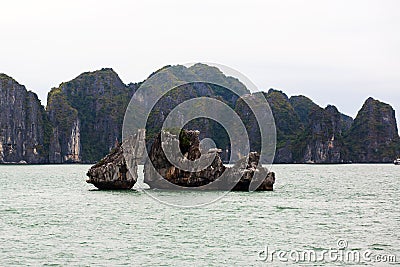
(370, 99)
(118, 170)
(100, 82)
(111, 172)
(4, 77)
(332, 109)
(160, 173)
(201, 73)
(275, 91)
(374, 135)
(303, 107)
(100, 71)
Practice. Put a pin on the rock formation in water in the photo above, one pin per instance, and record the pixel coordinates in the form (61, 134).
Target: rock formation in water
(374, 137)
(247, 166)
(84, 116)
(24, 127)
(191, 150)
(189, 144)
(118, 170)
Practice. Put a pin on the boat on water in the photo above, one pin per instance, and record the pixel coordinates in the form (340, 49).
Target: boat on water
(397, 161)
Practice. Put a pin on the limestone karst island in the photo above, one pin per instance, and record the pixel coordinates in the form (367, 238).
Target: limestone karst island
(82, 122)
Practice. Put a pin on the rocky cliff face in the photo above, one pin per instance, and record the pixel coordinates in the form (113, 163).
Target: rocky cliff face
(87, 115)
(24, 127)
(374, 136)
(188, 141)
(214, 177)
(181, 79)
(118, 170)
(305, 131)
(288, 125)
(321, 141)
(84, 119)
(65, 139)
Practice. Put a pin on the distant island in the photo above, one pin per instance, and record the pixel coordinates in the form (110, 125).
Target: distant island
(82, 121)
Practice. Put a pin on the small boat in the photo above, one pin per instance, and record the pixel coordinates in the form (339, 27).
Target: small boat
(397, 161)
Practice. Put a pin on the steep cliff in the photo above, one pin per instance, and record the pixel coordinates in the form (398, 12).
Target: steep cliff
(374, 136)
(24, 127)
(84, 119)
(250, 122)
(288, 125)
(322, 140)
(87, 115)
(188, 83)
(65, 138)
(303, 107)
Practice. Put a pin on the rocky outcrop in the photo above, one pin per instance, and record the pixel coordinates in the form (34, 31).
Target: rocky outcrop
(323, 139)
(66, 151)
(247, 167)
(303, 106)
(181, 79)
(118, 170)
(189, 144)
(214, 177)
(65, 139)
(83, 120)
(74, 144)
(24, 127)
(288, 125)
(112, 173)
(287, 122)
(374, 137)
(87, 113)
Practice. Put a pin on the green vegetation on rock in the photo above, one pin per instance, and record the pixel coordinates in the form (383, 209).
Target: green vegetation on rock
(373, 137)
(83, 119)
(99, 100)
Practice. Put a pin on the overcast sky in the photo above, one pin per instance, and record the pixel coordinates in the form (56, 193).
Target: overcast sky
(336, 52)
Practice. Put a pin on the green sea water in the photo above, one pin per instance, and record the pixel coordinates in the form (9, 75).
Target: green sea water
(49, 216)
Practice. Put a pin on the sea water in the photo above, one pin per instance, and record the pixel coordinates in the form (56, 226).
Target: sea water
(49, 215)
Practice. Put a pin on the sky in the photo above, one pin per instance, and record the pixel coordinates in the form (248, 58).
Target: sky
(336, 52)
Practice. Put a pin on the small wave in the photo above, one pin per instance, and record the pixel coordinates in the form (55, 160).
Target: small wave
(10, 210)
(286, 208)
(382, 245)
(379, 246)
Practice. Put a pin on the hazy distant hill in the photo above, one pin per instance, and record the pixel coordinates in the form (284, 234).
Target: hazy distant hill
(83, 120)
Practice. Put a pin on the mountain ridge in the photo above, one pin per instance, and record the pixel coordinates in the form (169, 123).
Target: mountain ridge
(83, 118)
